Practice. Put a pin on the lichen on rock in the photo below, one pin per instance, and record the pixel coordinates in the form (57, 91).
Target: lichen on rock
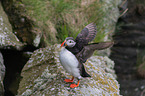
(7, 38)
(43, 75)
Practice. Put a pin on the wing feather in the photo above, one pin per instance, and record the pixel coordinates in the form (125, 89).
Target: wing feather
(86, 35)
(88, 50)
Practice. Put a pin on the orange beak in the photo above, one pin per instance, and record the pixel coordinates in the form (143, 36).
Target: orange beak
(63, 43)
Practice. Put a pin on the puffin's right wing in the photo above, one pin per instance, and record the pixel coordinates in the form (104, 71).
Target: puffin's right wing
(86, 35)
(88, 50)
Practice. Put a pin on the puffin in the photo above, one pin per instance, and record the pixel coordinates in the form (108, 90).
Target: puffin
(75, 52)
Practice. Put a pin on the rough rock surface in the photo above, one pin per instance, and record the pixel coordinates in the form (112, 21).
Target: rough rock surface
(2, 74)
(43, 75)
(129, 51)
(38, 23)
(7, 38)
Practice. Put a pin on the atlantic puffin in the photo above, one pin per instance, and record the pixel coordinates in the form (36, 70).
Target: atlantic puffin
(75, 52)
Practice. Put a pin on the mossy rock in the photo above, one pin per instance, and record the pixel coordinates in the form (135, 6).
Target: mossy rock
(8, 40)
(43, 75)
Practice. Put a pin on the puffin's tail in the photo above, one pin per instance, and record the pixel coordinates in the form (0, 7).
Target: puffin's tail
(84, 73)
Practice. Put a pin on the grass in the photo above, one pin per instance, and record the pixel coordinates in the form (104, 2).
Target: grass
(58, 19)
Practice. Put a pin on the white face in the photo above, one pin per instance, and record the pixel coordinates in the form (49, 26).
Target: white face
(70, 43)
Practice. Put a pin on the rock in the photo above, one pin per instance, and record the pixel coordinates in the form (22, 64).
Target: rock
(44, 75)
(133, 87)
(2, 74)
(7, 39)
(42, 22)
(141, 62)
(14, 62)
(130, 37)
(128, 51)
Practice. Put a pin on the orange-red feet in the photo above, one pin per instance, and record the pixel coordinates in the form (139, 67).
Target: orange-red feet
(68, 80)
(74, 85)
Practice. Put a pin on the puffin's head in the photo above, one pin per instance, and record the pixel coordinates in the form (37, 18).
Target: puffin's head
(69, 42)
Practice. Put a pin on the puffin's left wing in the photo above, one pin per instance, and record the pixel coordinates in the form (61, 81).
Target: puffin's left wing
(88, 50)
(86, 35)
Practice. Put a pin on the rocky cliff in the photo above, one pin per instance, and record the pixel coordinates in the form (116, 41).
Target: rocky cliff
(28, 31)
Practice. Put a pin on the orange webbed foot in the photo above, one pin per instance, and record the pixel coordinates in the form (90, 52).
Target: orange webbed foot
(73, 85)
(68, 80)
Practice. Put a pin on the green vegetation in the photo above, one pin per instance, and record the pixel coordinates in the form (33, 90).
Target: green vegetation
(58, 19)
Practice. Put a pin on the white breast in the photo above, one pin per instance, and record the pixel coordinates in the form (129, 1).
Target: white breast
(69, 62)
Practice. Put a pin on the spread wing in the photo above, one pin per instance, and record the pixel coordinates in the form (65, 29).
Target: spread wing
(86, 35)
(88, 50)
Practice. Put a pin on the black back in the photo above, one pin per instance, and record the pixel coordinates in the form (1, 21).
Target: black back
(82, 50)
